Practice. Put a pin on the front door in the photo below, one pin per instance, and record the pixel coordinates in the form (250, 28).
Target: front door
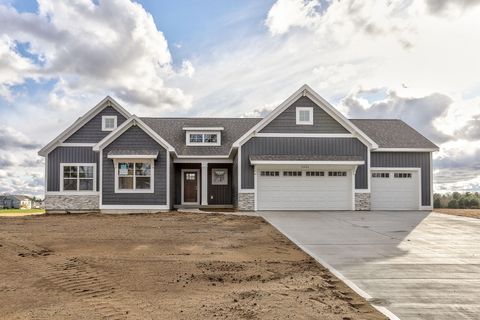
(190, 186)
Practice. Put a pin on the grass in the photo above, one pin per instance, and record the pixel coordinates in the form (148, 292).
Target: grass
(21, 211)
(471, 213)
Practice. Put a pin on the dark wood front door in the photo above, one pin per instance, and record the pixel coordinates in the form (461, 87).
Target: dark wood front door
(190, 186)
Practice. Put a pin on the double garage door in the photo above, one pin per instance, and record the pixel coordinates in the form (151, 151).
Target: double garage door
(395, 189)
(296, 189)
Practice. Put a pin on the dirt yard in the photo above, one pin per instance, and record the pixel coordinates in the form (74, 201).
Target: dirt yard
(472, 213)
(164, 266)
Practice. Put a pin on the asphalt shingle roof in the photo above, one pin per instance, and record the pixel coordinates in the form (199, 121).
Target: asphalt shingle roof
(171, 129)
(392, 133)
(300, 157)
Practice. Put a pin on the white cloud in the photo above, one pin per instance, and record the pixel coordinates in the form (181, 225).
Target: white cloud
(286, 14)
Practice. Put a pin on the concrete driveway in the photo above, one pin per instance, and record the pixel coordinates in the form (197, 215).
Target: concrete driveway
(418, 265)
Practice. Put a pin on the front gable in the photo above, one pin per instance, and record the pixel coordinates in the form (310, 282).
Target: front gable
(286, 122)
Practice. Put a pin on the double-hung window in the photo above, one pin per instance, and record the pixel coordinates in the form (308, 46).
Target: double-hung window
(134, 176)
(78, 177)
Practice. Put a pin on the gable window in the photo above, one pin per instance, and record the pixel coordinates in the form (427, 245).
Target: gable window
(203, 138)
(78, 176)
(305, 115)
(219, 176)
(109, 123)
(134, 176)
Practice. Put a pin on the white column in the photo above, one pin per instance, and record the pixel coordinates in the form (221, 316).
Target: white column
(204, 183)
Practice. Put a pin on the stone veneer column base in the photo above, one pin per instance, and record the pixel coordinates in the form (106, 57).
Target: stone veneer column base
(71, 203)
(246, 201)
(362, 201)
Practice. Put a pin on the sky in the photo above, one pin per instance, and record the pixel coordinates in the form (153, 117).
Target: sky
(416, 60)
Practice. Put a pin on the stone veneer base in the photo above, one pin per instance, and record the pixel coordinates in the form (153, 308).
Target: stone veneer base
(362, 201)
(71, 203)
(246, 201)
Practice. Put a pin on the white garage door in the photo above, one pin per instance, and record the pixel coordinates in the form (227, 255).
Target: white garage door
(293, 189)
(395, 189)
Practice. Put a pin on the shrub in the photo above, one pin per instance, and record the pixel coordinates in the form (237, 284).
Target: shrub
(474, 203)
(453, 204)
(437, 203)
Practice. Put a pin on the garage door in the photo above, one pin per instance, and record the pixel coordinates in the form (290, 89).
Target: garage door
(395, 189)
(293, 189)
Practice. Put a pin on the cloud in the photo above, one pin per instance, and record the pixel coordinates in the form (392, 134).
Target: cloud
(286, 14)
(471, 130)
(6, 161)
(95, 48)
(439, 6)
(13, 139)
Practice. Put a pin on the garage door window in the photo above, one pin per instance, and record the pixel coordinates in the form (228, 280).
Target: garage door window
(380, 175)
(402, 175)
(337, 173)
(269, 173)
(292, 173)
(315, 173)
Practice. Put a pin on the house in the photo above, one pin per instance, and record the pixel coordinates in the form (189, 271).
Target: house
(15, 202)
(304, 155)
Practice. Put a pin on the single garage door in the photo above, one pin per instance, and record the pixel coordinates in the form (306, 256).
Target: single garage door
(293, 189)
(395, 189)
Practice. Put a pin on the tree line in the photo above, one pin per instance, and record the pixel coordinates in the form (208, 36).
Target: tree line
(466, 200)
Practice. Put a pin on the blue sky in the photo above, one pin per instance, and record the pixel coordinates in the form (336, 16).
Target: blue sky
(410, 59)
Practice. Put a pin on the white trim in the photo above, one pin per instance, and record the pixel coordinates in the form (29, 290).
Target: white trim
(362, 191)
(429, 208)
(354, 171)
(419, 172)
(273, 162)
(93, 164)
(202, 157)
(219, 168)
(304, 135)
(134, 206)
(303, 123)
(369, 165)
(132, 156)
(100, 184)
(255, 184)
(132, 121)
(405, 150)
(104, 121)
(197, 144)
(203, 128)
(182, 186)
(46, 174)
(72, 193)
(431, 183)
(246, 191)
(201, 160)
(76, 144)
(106, 102)
(305, 90)
(134, 190)
(204, 192)
(168, 179)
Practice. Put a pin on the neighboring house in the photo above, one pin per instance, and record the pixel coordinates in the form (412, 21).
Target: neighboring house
(15, 202)
(304, 155)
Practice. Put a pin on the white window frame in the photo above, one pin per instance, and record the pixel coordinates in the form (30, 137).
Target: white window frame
(223, 183)
(104, 121)
(310, 111)
(203, 133)
(134, 190)
(94, 165)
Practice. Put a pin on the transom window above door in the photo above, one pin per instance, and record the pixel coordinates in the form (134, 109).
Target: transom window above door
(134, 176)
(304, 115)
(78, 177)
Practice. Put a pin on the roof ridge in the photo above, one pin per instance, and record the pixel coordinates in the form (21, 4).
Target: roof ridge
(189, 118)
(389, 119)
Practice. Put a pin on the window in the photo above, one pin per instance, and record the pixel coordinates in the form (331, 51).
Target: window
(337, 173)
(315, 173)
(402, 175)
(380, 175)
(292, 173)
(269, 173)
(219, 176)
(190, 176)
(203, 138)
(78, 176)
(109, 123)
(134, 176)
(305, 115)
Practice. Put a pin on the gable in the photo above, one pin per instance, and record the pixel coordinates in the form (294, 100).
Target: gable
(285, 122)
(134, 138)
(91, 132)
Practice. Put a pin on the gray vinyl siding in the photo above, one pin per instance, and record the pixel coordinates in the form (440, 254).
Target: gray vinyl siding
(172, 183)
(286, 121)
(91, 132)
(135, 139)
(303, 146)
(235, 181)
(178, 179)
(220, 194)
(68, 155)
(408, 160)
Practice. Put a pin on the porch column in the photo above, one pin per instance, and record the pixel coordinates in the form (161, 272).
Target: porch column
(204, 183)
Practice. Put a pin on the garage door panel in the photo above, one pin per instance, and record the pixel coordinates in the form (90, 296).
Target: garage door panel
(395, 193)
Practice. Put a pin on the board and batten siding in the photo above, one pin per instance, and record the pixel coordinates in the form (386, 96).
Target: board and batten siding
(286, 122)
(303, 146)
(220, 194)
(91, 132)
(135, 139)
(407, 160)
(68, 155)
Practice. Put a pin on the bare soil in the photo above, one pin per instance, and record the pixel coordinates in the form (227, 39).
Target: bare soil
(163, 266)
(472, 213)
